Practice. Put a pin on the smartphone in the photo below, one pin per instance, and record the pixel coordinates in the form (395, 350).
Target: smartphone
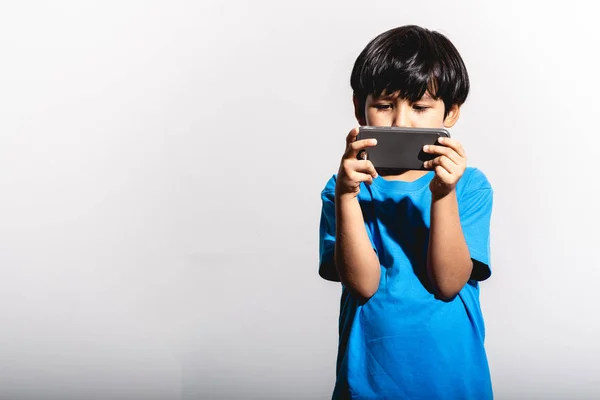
(399, 148)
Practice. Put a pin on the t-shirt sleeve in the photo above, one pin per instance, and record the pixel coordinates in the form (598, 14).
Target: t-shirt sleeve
(475, 215)
(327, 269)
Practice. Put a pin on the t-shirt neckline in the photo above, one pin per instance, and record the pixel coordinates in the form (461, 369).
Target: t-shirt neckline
(396, 185)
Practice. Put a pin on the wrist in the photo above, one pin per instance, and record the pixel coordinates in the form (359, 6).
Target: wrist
(443, 196)
(342, 198)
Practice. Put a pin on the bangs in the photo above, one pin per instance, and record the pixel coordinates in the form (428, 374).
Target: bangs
(411, 82)
(412, 61)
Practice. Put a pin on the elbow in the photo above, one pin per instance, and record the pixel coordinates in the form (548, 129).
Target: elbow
(448, 285)
(447, 290)
(364, 287)
(365, 292)
(447, 293)
(362, 283)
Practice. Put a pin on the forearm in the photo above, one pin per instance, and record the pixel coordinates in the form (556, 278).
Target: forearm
(449, 262)
(356, 261)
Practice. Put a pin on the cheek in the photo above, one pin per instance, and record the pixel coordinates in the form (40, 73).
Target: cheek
(433, 118)
(375, 118)
(438, 114)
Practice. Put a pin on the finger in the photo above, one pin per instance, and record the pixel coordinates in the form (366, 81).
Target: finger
(444, 151)
(361, 177)
(364, 166)
(351, 137)
(443, 162)
(355, 147)
(454, 145)
(444, 175)
(359, 166)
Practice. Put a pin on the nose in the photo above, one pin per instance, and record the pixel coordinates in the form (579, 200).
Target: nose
(401, 118)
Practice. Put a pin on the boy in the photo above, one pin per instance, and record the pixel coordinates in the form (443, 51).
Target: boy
(410, 248)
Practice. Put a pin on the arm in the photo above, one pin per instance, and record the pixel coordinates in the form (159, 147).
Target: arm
(449, 263)
(355, 260)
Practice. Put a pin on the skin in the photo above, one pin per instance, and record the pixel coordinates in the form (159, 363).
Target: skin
(449, 264)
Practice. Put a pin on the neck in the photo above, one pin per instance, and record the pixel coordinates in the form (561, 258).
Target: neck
(406, 175)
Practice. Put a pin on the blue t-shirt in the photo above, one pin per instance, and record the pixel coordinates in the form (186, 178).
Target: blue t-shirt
(404, 343)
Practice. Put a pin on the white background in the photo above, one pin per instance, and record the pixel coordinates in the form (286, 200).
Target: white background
(160, 172)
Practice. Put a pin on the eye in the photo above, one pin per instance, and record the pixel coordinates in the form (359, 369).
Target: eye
(383, 107)
(420, 109)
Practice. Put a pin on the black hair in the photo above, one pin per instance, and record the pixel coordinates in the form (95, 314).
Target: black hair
(411, 60)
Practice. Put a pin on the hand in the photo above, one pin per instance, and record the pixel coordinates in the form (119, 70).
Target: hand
(352, 170)
(449, 167)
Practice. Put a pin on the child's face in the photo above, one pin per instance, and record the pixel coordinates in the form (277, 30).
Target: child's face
(391, 110)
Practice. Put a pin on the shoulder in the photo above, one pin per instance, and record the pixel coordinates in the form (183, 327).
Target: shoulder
(475, 179)
(328, 192)
(330, 185)
(473, 184)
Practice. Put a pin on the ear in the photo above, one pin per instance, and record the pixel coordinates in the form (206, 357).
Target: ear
(358, 113)
(452, 116)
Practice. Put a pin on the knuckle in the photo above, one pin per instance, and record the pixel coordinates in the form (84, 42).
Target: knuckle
(346, 167)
